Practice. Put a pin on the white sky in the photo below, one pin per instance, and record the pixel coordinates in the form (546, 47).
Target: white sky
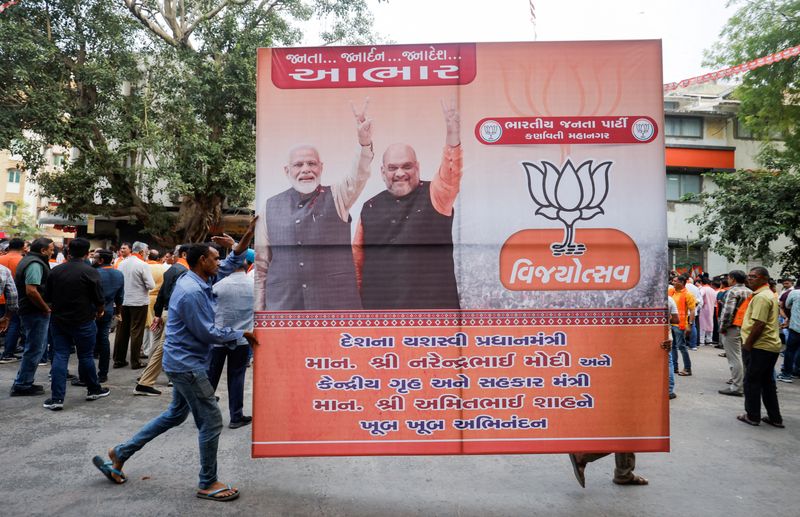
(687, 27)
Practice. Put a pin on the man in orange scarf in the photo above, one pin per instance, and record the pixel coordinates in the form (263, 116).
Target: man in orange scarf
(681, 332)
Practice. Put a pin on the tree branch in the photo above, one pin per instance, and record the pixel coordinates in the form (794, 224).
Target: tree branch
(149, 22)
(265, 13)
(202, 18)
(170, 15)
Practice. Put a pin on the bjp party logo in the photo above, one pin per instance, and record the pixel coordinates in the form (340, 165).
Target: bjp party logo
(568, 194)
(551, 259)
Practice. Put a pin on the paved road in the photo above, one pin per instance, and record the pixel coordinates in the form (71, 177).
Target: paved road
(717, 467)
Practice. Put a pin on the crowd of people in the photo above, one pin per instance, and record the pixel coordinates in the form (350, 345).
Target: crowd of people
(185, 313)
(46, 299)
(752, 321)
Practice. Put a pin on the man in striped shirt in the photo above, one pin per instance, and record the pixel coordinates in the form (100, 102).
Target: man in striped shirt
(9, 290)
(730, 323)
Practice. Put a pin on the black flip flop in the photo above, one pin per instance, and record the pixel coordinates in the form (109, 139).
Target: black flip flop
(743, 418)
(766, 420)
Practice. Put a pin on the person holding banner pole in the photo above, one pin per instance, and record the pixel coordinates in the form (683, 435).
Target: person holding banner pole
(304, 254)
(625, 462)
(404, 242)
(191, 332)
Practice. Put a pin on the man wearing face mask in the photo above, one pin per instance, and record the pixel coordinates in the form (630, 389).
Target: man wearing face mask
(305, 258)
(404, 242)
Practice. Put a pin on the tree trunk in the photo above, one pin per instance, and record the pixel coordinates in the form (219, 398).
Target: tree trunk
(196, 216)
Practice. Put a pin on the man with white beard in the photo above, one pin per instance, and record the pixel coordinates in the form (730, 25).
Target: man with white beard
(305, 258)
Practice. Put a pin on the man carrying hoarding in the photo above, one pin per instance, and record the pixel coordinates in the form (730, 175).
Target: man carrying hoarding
(305, 258)
(761, 347)
(625, 462)
(191, 332)
(404, 242)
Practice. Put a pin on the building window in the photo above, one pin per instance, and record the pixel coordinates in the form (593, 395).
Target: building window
(685, 127)
(686, 259)
(13, 175)
(742, 132)
(678, 185)
(58, 160)
(10, 208)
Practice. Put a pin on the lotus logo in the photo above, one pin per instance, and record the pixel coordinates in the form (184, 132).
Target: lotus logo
(568, 194)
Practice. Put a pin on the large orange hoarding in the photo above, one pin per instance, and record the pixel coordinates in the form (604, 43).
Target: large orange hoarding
(461, 250)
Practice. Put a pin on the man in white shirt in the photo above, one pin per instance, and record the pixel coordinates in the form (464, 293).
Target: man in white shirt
(235, 298)
(693, 341)
(138, 284)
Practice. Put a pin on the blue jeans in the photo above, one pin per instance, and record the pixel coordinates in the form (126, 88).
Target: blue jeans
(102, 345)
(34, 327)
(48, 351)
(792, 345)
(237, 367)
(671, 370)
(192, 392)
(695, 335)
(82, 337)
(12, 336)
(679, 343)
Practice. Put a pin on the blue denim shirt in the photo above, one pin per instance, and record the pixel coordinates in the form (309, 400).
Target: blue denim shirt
(113, 283)
(191, 330)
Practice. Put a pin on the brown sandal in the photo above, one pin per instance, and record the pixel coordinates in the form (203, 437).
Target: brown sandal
(744, 418)
(635, 480)
(779, 425)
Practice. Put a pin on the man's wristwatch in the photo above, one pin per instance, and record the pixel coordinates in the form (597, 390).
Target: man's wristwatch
(370, 148)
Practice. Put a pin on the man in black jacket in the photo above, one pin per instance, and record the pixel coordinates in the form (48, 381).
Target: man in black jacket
(76, 294)
(151, 373)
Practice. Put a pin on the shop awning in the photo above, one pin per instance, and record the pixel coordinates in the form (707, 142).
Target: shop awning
(701, 157)
(54, 219)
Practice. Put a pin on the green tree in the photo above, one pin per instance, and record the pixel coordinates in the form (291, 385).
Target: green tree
(752, 209)
(20, 222)
(157, 96)
(748, 212)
